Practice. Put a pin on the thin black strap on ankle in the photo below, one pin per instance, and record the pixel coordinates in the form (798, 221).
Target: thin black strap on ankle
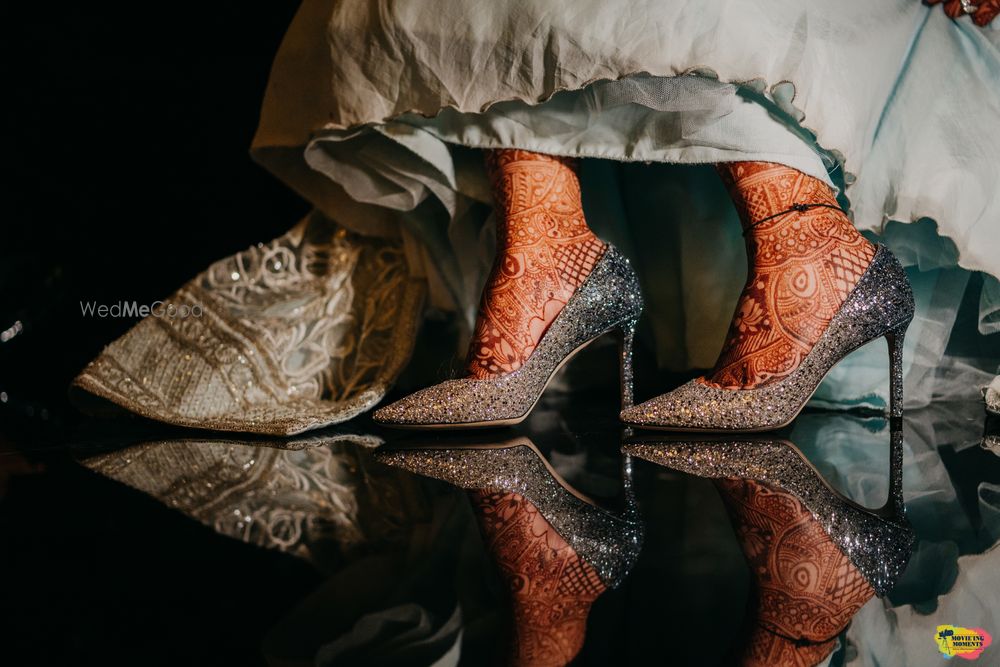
(800, 208)
(799, 642)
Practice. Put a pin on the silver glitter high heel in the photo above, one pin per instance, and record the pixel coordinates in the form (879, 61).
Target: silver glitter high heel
(609, 542)
(880, 305)
(609, 300)
(877, 541)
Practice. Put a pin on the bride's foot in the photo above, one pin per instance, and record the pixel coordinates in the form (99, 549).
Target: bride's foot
(802, 266)
(544, 252)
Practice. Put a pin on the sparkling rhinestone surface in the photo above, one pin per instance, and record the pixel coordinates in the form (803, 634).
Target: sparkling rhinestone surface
(881, 304)
(609, 542)
(879, 543)
(608, 299)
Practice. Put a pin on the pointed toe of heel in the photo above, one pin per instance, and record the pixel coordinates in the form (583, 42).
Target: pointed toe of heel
(427, 407)
(655, 412)
(450, 404)
(389, 415)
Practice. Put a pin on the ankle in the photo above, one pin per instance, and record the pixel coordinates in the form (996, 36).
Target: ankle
(766, 195)
(532, 184)
(802, 265)
(762, 189)
(545, 251)
(538, 203)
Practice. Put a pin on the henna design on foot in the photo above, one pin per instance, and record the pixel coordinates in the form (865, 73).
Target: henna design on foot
(807, 590)
(802, 266)
(544, 252)
(551, 588)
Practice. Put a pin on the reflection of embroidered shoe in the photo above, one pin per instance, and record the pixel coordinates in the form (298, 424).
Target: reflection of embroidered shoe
(609, 542)
(880, 305)
(608, 300)
(878, 542)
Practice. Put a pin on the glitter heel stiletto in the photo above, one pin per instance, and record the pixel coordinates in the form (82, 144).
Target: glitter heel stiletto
(626, 345)
(878, 542)
(609, 542)
(608, 301)
(880, 305)
(894, 339)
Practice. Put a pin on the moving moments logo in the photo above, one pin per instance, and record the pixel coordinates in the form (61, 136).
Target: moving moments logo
(966, 643)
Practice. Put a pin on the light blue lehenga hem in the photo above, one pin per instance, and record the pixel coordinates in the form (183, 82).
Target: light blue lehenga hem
(673, 221)
(923, 182)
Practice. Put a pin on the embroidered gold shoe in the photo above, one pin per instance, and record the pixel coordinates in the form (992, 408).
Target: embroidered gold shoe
(991, 397)
(880, 305)
(609, 300)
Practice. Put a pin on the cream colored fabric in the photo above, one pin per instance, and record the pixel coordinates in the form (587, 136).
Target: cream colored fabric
(307, 330)
(853, 68)
(314, 497)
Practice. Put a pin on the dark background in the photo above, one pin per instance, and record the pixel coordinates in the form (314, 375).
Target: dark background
(126, 170)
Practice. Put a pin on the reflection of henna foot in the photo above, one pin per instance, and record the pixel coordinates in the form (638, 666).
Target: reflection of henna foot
(802, 266)
(544, 252)
(807, 590)
(551, 588)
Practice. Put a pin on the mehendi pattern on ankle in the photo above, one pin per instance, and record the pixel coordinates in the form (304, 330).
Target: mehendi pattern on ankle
(544, 252)
(802, 266)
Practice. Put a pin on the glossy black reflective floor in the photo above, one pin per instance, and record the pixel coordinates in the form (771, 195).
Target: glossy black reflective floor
(129, 543)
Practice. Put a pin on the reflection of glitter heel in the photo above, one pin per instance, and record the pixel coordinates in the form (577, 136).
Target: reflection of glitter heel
(608, 300)
(881, 305)
(608, 542)
(878, 542)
